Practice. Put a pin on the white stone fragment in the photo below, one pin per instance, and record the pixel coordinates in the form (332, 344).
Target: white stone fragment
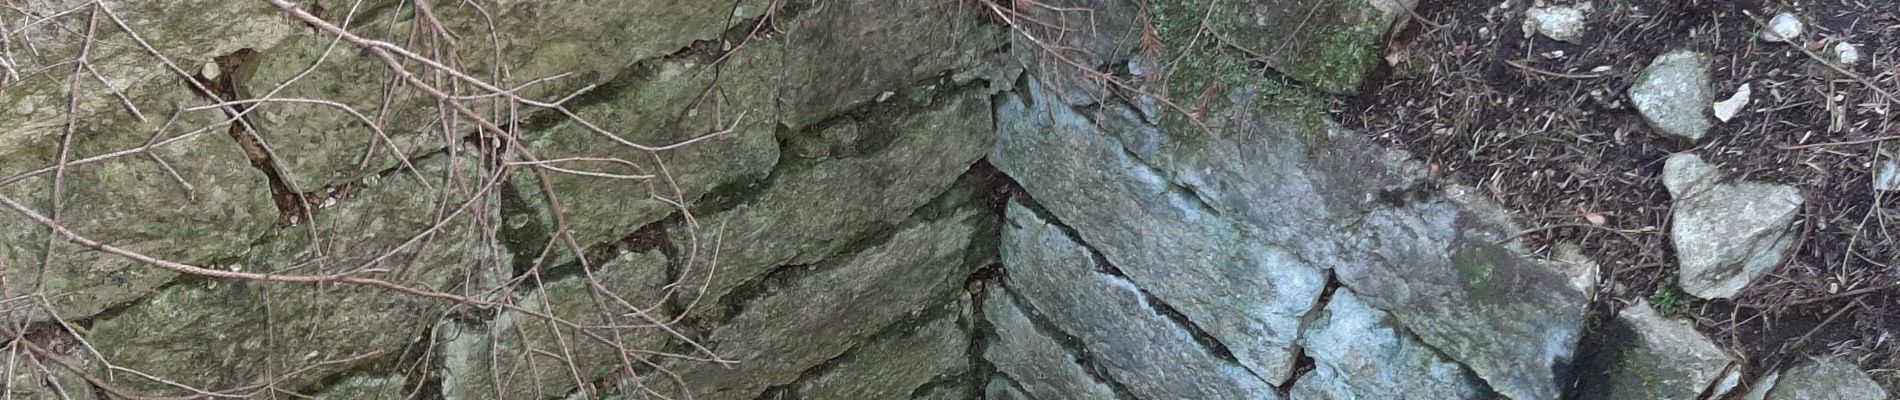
(1563, 23)
(1846, 53)
(1726, 109)
(1785, 27)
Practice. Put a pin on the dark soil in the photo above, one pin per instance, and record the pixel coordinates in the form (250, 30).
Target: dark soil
(1554, 137)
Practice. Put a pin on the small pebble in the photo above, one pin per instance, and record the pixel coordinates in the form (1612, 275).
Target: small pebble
(1563, 23)
(1846, 53)
(209, 70)
(1785, 27)
(1726, 109)
(1887, 179)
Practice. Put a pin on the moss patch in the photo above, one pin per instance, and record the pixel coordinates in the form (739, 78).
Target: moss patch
(1476, 264)
(1335, 58)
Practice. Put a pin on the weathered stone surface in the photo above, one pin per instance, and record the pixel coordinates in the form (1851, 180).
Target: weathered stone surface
(1118, 324)
(863, 48)
(999, 389)
(1448, 271)
(1673, 94)
(803, 320)
(898, 161)
(1846, 53)
(45, 379)
(220, 206)
(1329, 44)
(212, 209)
(669, 106)
(590, 42)
(316, 145)
(1359, 354)
(1040, 363)
(221, 334)
(1826, 378)
(1431, 257)
(188, 32)
(955, 390)
(1249, 295)
(544, 356)
(1784, 27)
(1726, 109)
(898, 366)
(1560, 22)
(1647, 356)
(1726, 234)
(391, 387)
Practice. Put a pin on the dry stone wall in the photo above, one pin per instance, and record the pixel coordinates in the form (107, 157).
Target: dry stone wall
(869, 199)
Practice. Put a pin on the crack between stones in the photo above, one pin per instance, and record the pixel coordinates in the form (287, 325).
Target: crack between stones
(1200, 336)
(1070, 343)
(895, 329)
(978, 287)
(736, 300)
(1013, 384)
(290, 207)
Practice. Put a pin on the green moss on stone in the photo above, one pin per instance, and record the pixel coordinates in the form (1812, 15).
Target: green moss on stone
(1336, 57)
(1476, 265)
(1670, 302)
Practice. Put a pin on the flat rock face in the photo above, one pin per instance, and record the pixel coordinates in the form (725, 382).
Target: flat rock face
(893, 163)
(1249, 295)
(188, 32)
(222, 334)
(1647, 356)
(390, 387)
(1120, 326)
(1026, 353)
(592, 44)
(1217, 228)
(599, 209)
(1726, 234)
(1359, 354)
(1673, 94)
(1828, 378)
(780, 334)
(1447, 270)
(1329, 44)
(210, 204)
(545, 354)
(902, 362)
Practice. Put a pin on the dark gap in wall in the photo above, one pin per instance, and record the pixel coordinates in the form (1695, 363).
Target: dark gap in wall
(978, 287)
(650, 237)
(983, 392)
(741, 296)
(1206, 340)
(386, 362)
(315, 200)
(1200, 336)
(871, 117)
(962, 381)
(975, 184)
(290, 208)
(420, 369)
(638, 72)
(521, 231)
(1303, 362)
(115, 310)
(896, 329)
(1074, 345)
(729, 195)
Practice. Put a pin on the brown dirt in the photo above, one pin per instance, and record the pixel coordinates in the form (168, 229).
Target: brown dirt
(1555, 138)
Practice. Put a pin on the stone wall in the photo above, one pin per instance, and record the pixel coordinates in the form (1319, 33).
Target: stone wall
(899, 199)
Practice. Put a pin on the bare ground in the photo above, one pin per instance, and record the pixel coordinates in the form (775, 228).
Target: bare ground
(1547, 128)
